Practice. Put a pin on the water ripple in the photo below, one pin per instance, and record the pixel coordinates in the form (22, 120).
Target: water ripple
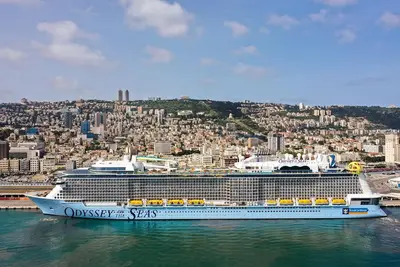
(30, 239)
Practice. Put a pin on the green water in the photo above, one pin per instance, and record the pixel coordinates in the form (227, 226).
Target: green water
(32, 239)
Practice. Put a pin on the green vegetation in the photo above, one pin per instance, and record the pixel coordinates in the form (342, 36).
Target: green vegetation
(5, 133)
(186, 152)
(95, 145)
(369, 159)
(173, 105)
(246, 124)
(387, 117)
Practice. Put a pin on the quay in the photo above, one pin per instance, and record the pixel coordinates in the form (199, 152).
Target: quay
(23, 188)
(17, 205)
(391, 204)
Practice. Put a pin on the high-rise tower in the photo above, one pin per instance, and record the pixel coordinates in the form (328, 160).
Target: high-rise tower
(4, 150)
(120, 95)
(392, 148)
(126, 95)
(276, 142)
(68, 119)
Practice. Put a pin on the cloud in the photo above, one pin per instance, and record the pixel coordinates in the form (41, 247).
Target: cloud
(321, 16)
(159, 55)
(22, 2)
(89, 11)
(250, 49)
(62, 83)
(168, 19)
(390, 20)
(249, 70)
(208, 61)
(11, 54)
(64, 47)
(284, 21)
(72, 87)
(337, 3)
(208, 81)
(199, 31)
(264, 30)
(367, 81)
(346, 36)
(237, 28)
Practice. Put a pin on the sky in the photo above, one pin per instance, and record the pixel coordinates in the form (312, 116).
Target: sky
(317, 52)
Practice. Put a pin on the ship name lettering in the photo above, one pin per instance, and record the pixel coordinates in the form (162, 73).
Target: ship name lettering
(70, 212)
(142, 214)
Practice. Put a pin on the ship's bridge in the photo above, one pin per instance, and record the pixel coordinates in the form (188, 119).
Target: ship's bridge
(126, 165)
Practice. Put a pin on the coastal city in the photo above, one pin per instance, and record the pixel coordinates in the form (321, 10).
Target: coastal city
(169, 133)
(40, 139)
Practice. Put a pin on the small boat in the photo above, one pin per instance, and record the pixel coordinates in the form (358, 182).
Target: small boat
(321, 201)
(338, 201)
(155, 202)
(271, 202)
(286, 202)
(305, 202)
(195, 202)
(136, 202)
(175, 202)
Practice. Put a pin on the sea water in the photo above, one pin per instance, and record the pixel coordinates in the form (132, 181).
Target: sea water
(28, 238)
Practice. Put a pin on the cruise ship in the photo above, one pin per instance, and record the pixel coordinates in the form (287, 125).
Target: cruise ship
(147, 188)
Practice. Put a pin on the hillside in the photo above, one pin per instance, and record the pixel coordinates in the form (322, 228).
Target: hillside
(387, 117)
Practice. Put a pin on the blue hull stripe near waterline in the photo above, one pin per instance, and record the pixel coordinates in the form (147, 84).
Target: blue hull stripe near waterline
(80, 210)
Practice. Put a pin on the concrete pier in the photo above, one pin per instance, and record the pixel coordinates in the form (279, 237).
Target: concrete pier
(17, 205)
(390, 203)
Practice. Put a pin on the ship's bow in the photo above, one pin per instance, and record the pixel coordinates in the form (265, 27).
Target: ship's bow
(46, 205)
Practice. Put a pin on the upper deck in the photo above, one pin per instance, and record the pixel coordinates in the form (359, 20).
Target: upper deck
(255, 166)
(82, 173)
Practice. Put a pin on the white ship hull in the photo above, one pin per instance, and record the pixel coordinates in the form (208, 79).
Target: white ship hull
(79, 210)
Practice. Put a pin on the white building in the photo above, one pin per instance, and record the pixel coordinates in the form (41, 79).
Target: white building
(276, 143)
(14, 165)
(395, 183)
(70, 165)
(162, 148)
(372, 148)
(392, 148)
(4, 166)
(206, 160)
(34, 165)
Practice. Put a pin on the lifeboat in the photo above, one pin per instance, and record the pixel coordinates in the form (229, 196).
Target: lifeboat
(338, 201)
(305, 202)
(286, 202)
(271, 202)
(175, 202)
(136, 202)
(195, 202)
(155, 202)
(321, 201)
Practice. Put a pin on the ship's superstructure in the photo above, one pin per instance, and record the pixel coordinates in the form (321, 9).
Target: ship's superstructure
(256, 189)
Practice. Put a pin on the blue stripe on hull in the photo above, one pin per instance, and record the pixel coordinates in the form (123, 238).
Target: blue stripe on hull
(79, 210)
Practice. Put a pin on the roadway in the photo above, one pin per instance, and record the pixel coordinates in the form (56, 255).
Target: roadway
(23, 188)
